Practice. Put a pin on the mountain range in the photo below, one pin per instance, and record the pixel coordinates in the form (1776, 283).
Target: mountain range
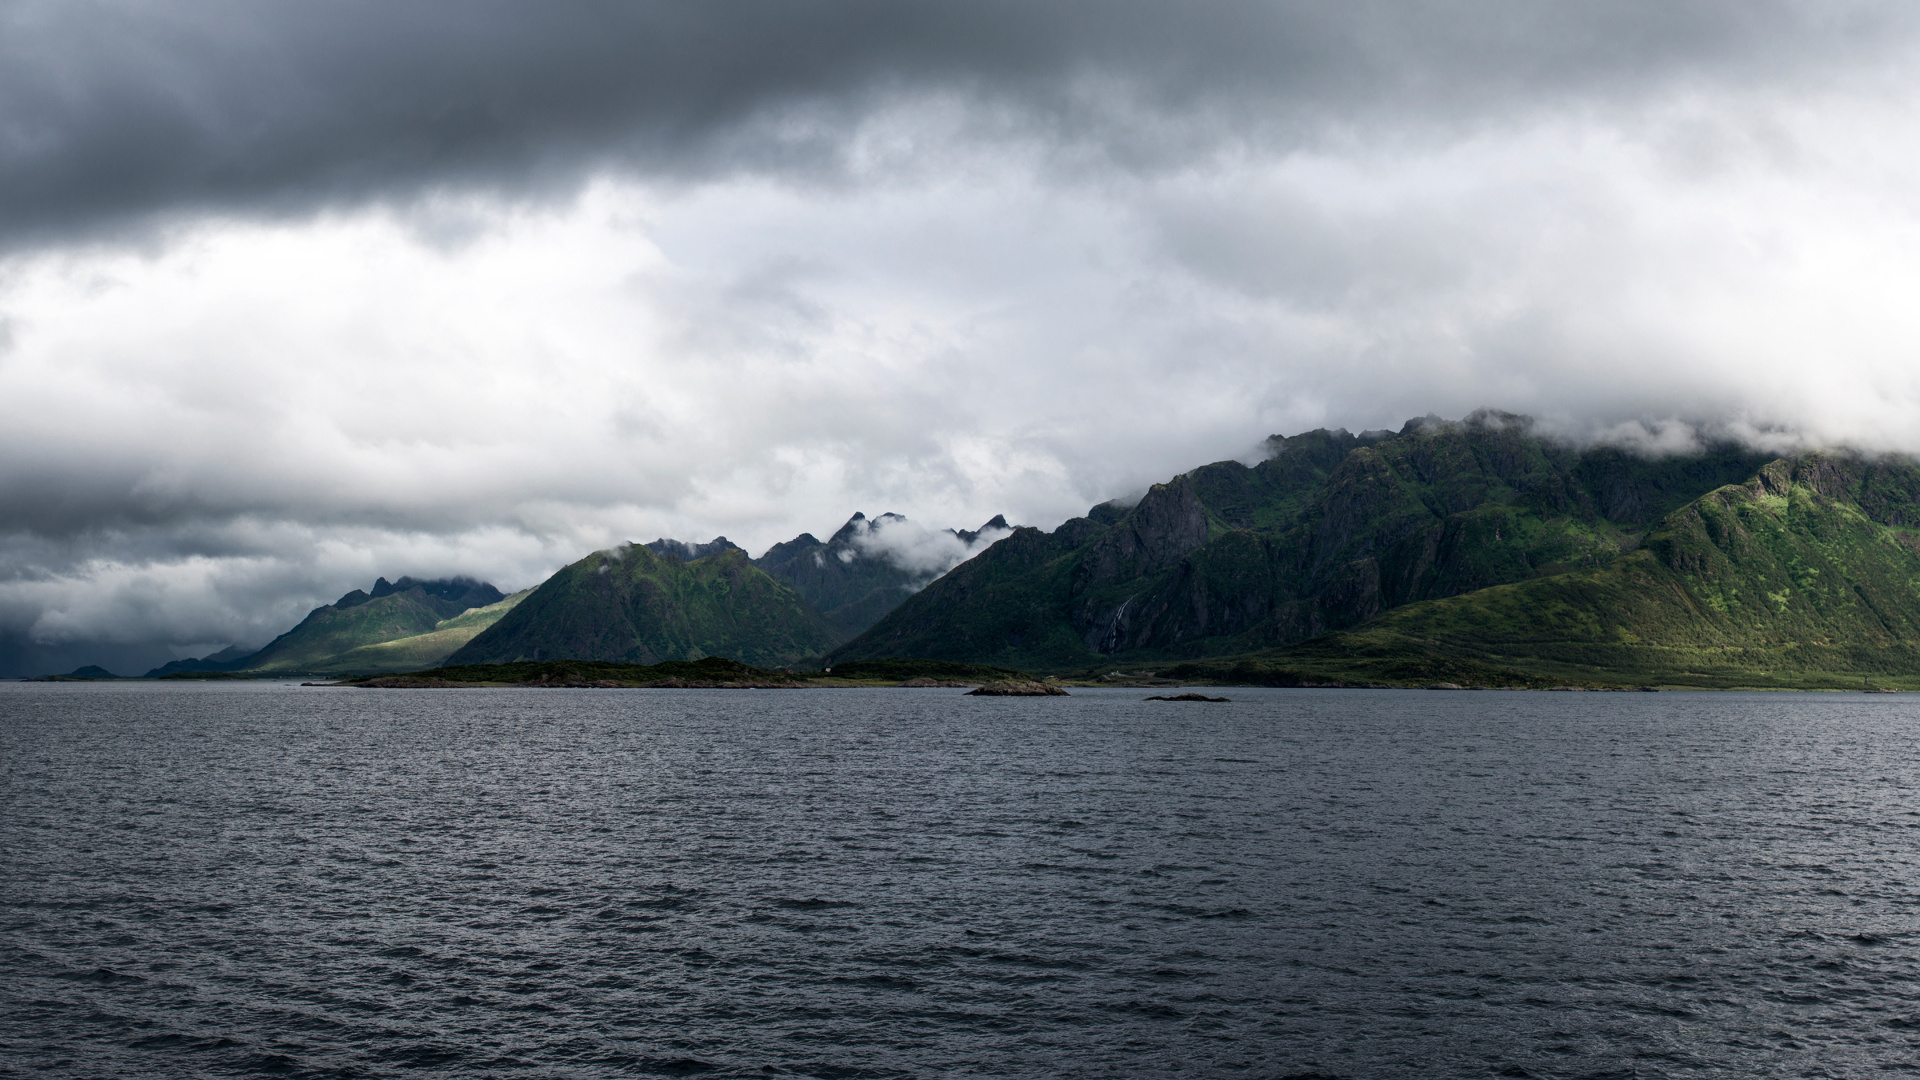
(674, 600)
(1479, 549)
(667, 600)
(1328, 531)
(1474, 552)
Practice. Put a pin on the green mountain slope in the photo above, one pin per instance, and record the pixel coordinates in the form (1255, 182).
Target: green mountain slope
(634, 605)
(393, 610)
(425, 650)
(1807, 575)
(1330, 531)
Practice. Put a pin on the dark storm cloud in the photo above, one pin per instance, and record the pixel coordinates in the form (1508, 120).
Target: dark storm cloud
(113, 111)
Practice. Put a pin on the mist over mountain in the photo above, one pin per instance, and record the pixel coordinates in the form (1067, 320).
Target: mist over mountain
(869, 567)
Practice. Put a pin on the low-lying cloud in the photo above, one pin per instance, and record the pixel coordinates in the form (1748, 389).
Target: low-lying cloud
(917, 549)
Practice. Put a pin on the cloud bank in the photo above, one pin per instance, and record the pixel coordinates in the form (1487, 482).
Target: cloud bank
(295, 296)
(917, 549)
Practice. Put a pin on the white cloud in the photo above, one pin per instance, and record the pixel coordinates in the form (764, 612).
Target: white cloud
(917, 549)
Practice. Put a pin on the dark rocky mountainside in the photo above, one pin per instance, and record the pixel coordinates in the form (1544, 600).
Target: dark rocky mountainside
(1807, 574)
(852, 588)
(850, 579)
(1330, 531)
(632, 604)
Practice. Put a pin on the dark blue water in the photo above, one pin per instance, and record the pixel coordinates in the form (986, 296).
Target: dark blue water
(268, 880)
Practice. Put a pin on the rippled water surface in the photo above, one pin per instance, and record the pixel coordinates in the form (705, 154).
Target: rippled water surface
(265, 879)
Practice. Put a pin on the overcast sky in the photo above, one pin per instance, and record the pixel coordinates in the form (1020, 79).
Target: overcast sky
(293, 295)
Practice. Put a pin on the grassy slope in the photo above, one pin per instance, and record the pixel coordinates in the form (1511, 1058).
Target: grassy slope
(634, 606)
(423, 650)
(1330, 532)
(1806, 576)
(328, 632)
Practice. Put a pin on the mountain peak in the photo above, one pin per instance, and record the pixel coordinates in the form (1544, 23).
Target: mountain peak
(689, 551)
(971, 536)
(458, 589)
(857, 525)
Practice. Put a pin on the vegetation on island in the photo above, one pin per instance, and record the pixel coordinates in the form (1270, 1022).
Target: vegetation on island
(844, 584)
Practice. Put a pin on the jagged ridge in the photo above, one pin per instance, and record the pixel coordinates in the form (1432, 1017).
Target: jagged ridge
(1328, 532)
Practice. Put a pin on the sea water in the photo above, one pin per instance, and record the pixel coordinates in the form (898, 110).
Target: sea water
(253, 879)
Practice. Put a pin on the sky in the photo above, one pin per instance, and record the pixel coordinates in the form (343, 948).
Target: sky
(297, 295)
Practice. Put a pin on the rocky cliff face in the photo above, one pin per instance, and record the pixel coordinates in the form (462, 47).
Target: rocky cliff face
(850, 585)
(860, 574)
(1330, 531)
